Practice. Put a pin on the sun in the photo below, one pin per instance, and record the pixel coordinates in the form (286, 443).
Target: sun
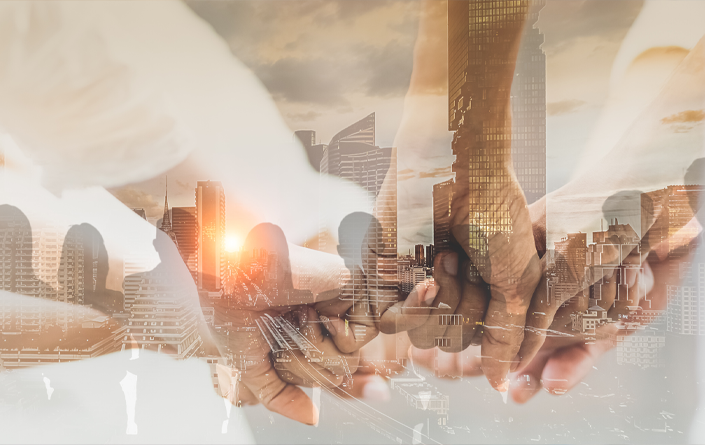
(232, 243)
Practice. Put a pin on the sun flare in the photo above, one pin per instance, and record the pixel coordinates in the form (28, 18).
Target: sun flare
(232, 243)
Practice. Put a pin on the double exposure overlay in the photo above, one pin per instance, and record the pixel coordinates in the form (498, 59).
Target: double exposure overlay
(352, 221)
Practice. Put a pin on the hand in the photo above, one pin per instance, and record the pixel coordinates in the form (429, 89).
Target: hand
(270, 332)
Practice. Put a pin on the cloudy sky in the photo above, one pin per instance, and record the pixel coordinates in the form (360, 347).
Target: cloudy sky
(329, 63)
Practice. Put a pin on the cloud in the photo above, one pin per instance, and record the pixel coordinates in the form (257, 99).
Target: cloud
(304, 117)
(135, 199)
(564, 106)
(389, 69)
(184, 185)
(659, 53)
(564, 22)
(685, 117)
(302, 80)
(684, 121)
(420, 237)
(352, 9)
(436, 172)
(406, 174)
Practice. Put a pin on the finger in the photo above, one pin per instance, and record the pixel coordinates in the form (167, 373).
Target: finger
(315, 359)
(539, 318)
(505, 319)
(277, 396)
(568, 366)
(412, 312)
(449, 365)
(527, 383)
(444, 305)
(471, 308)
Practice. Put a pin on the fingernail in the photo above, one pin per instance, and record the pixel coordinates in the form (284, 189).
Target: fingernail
(377, 390)
(450, 264)
(431, 293)
(524, 388)
(327, 323)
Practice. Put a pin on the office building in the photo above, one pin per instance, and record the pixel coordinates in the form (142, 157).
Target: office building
(685, 313)
(163, 317)
(665, 213)
(606, 265)
(165, 225)
(475, 33)
(185, 227)
(314, 151)
(353, 155)
(429, 255)
(442, 201)
(419, 255)
(641, 348)
(528, 99)
(410, 276)
(141, 213)
(210, 245)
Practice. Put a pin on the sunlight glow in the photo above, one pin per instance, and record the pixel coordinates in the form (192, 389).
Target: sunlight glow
(232, 243)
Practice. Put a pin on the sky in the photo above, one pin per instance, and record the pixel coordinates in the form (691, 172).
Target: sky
(329, 63)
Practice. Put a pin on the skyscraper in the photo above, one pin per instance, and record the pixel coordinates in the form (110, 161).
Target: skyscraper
(480, 37)
(353, 155)
(162, 317)
(166, 218)
(313, 151)
(429, 255)
(210, 218)
(442, 200)
(474, 75)
(141, 213)
(183, 223)
(419, 255)
(528, 97)
(307, 138)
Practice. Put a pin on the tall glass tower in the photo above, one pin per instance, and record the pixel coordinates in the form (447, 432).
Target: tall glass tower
(482, 83)
(210, 220)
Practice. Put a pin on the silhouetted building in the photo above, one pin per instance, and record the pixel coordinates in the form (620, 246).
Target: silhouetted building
(313, 151)
(166, 219)
(419, 255)
(307, 138)
(141, 213)
(442, 200)
(16, 249)
(185, 227)
(96, 266)
(210, 217)
(429, 255)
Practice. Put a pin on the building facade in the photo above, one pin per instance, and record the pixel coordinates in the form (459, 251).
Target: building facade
(210, 219)
(185, 227)
(353, 155)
